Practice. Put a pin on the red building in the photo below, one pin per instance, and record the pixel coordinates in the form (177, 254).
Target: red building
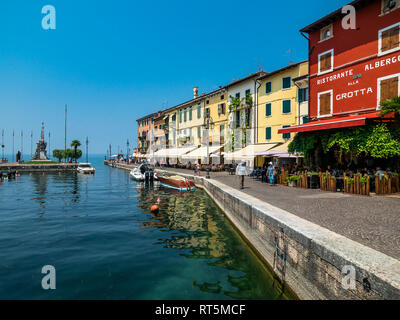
(352, 70)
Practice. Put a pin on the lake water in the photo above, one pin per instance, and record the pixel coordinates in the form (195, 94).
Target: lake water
(99, 234)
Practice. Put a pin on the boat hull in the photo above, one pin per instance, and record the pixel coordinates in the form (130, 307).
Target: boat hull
(182, 184)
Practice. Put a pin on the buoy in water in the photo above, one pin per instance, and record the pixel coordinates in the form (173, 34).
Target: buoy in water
(155, 208)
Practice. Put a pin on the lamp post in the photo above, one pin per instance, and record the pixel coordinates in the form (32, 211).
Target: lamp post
(127, 151)
(208, 124)
(87, 150)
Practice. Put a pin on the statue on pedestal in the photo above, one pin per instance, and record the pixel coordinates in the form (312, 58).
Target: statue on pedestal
(41, 153)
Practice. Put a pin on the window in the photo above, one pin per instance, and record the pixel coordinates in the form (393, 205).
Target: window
(306, 119)
(208, 102)
(221, 108)
(237, 122)
(286, 106)
(389, 39)
(248, 117)
(222, 97)
(268, 133)
(325, 103)
(198, 111)
(238, 95)
(286, 135)
(268, 87)
(247, 92)
(389, 6)
(207, 113)
(302, 94)
(190, 114)
(268, 111)
(388, 88)
(325, 62)
(185, 115)
(199, 132)
(180, 116)
(222, 130)
(326, 33)
(286, 83)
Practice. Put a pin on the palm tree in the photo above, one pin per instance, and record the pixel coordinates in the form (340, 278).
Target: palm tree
(75, 144)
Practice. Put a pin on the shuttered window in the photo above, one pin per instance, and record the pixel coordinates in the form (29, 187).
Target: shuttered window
(390, 39)
(325, 104)
(325, 62)
(286, 106)
(268, 87)
(286, 135)
(180, 116)
(221, 108)
(190, 114)
(268, 110)
(389, 88)
(185, 115)
(286, 83)
(198, 112)
(268, 135)
(198, 132)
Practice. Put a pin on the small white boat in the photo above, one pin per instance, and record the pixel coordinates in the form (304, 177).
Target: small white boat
(86, 168)
(138, 173)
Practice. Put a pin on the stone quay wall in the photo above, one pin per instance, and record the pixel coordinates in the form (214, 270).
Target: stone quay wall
(307, 258)
(21, 168)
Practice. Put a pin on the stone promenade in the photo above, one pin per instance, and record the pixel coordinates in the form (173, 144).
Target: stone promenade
(372, 221)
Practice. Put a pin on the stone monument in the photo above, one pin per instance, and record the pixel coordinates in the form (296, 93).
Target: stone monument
(41, 153)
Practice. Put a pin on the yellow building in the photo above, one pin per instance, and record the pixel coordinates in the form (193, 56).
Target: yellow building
(281, 103)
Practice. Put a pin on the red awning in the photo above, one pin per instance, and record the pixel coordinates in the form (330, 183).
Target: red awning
(352, 121)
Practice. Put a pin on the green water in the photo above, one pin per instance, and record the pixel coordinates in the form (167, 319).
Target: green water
(99, 234)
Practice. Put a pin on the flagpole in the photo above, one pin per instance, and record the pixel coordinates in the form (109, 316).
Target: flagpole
(13, 150)
(65, 135)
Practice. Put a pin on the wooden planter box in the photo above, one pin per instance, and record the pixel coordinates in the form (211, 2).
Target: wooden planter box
(387, 184)
(356, 185)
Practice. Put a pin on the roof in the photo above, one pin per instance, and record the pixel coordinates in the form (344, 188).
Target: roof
(281, 69)
(148, 116)
(328, 19)
(253, 75)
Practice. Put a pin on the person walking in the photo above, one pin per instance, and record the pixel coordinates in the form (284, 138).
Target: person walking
(271, 174)
(241, 171)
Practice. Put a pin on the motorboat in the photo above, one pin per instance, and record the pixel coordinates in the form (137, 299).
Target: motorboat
(86, 168)
(176, 182)
(142, 173)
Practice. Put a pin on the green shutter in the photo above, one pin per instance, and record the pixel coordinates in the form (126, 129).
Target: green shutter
(198, 112)
(219, 109)
(268, 87)
(268, 111)
(300, 95)
(286, 83)
(268, 133)
(286, 108)
(185, 115)
(286, 135)
(198, 132)
(190, 114)
(180, 116)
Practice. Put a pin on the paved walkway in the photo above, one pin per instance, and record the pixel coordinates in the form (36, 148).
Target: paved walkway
(372, 221)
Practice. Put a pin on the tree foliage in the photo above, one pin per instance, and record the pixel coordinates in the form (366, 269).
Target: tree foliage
(69, 154)
(390, 106)
(377, 141)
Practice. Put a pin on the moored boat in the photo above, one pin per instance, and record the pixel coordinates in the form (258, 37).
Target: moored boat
(176, 182)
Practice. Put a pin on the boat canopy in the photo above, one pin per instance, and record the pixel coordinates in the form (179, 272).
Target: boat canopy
(201, 153)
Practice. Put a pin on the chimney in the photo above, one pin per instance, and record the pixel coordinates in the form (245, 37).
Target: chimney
(195, 92)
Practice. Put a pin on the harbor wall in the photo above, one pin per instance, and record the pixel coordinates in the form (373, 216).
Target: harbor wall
(315, 256)
(21, 168)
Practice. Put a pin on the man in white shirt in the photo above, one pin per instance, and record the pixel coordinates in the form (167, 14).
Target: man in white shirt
(241, 171)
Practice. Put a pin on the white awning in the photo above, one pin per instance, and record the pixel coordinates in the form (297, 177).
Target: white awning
(248, 153)
(201, 153)
(173, 152)
(277, 149)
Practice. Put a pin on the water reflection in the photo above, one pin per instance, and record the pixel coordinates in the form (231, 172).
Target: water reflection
(195, 226)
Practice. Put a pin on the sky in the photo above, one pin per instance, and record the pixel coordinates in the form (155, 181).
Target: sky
(113, 62)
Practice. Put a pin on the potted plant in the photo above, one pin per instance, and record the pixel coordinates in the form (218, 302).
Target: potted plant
(292, 181)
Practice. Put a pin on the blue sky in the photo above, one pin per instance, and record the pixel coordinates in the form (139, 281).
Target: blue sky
(115, 61)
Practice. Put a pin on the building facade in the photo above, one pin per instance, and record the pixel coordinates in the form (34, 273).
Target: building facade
(282, 102)
(352, 70)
